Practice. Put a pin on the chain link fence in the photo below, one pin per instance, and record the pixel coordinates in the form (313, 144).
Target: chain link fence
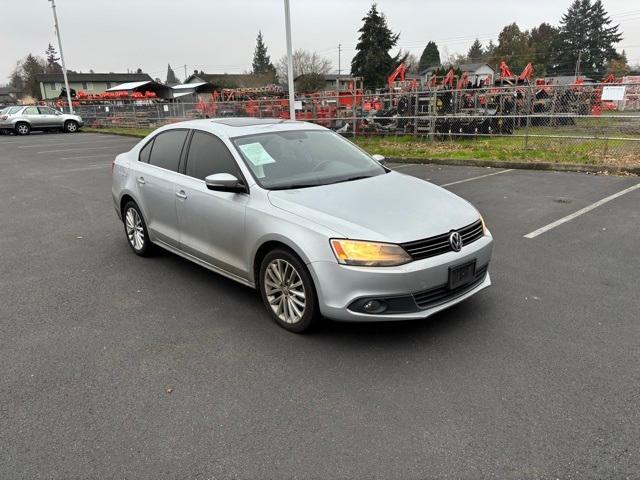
(543, 120)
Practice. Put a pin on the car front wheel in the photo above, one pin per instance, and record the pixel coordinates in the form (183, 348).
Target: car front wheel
(136, 230)
(70, 126)
(287, 291)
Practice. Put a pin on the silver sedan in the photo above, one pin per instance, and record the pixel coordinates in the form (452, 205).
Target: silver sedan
(24, 119)
(318, 226)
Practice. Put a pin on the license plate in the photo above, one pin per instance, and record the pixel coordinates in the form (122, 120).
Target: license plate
(461, 275)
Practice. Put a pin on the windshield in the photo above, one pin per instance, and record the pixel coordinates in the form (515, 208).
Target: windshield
(304, 158)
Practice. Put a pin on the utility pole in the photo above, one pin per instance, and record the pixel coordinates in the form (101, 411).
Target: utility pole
(577, 74)
(292, 98)
(185, 72)
(64, 67)
(339, 52)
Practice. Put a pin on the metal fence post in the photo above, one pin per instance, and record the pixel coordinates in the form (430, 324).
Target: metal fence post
(415, 114)
(433, 112)
(528, 113)
(353, 110)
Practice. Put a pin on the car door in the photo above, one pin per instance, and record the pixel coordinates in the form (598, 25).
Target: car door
(156, 174)
(32, 115)
(50, 117)
(212, 223)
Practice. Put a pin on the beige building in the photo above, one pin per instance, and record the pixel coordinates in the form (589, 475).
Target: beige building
(51, 84)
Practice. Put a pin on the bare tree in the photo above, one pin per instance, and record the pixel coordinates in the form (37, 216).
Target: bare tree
(412, 63)
(304, 62)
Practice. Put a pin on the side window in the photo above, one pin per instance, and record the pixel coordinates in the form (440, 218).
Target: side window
(30, 111)
(46, 111)
(167, 148)
(208, 155)
(145, 152)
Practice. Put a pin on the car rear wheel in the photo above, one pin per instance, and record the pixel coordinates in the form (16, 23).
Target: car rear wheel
(136, 230)
(22, 128)
(287, 291)
(70, 126)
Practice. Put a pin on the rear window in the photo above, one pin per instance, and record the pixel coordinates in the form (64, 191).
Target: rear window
(166, 150)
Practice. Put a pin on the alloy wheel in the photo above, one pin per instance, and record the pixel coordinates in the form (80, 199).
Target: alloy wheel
(23, 129)
(72, 127)
(285, 291)
(135, 230)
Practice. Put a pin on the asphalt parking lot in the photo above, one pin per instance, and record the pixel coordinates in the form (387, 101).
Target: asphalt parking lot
(115, 366)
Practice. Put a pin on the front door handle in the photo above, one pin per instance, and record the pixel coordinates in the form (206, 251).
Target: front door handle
(140, 180)
(181, 194)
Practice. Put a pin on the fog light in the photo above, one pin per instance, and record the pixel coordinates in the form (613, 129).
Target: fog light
(374, 306)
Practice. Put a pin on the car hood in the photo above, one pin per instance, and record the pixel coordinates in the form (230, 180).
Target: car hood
(393, 208)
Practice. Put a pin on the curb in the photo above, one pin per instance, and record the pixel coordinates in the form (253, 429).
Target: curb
(122, 134)
(558, 167)
(470, 162)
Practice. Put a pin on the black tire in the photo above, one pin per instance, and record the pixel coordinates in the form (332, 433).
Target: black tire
(310, 315)
(22, 128)
(71, 126)
(138, 240)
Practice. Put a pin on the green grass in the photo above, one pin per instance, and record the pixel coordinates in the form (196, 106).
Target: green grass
(509, 148)
(553, 150)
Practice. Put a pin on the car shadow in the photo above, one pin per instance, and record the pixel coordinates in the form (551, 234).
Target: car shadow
(442, 323)
(439, 324)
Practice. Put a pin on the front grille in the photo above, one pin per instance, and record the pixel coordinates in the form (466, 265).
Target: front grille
(430, 247)
(442, 294)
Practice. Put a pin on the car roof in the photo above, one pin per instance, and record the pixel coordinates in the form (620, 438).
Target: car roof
(241, 126)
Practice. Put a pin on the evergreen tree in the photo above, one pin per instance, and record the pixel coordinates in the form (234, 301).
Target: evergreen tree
(601, 40)
(52, 60)
(430, 57)
(261, 61)
(171, 76)
(15, 80)
(513, 47)
(372, 60)
(32, 66)
(542, 40)
(476, 52)
(586, 35)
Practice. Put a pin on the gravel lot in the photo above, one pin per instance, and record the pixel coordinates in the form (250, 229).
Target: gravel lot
(114, 366)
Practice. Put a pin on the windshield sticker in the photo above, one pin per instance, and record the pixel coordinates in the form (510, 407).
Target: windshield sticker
(256, 154)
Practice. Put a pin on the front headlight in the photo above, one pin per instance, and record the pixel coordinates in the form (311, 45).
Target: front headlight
(485, 230)
(368, 254)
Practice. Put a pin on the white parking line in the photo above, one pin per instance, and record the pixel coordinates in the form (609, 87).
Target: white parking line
(476, 178)
(74, 149)
(81, 169)
(68, 143)
(90, 156)
(35, 138)
(584, 210)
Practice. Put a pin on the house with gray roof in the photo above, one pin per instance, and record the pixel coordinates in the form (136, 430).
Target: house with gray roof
(51, 84)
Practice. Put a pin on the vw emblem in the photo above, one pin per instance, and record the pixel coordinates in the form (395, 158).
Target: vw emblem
(455, 240)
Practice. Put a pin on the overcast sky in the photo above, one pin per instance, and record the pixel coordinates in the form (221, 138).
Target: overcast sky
(219, 35)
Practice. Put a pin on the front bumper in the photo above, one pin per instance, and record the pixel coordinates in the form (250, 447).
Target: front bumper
(339, 286)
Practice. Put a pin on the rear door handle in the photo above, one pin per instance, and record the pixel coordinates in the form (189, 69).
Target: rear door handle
(140, 180)
(181, 194)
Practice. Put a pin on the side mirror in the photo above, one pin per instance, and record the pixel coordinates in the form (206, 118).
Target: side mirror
(379, 158)
(224, 182)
